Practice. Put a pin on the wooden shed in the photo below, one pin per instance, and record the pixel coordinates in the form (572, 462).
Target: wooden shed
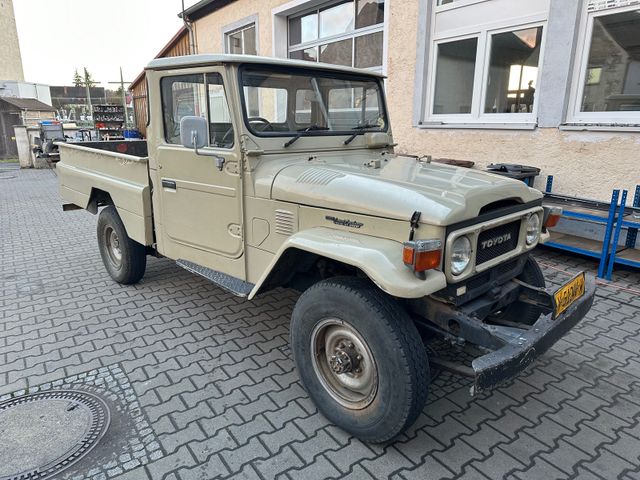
(177, 46)
(19, 111)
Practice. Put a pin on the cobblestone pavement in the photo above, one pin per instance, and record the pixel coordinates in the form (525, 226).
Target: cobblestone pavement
(214, 377)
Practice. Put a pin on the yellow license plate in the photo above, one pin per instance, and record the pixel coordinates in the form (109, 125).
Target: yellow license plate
(568, 293)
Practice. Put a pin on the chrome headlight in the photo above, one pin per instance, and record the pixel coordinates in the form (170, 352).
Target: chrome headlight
(533, 228)
(460, 255)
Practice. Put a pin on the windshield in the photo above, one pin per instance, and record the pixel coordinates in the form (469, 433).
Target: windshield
(310, 102)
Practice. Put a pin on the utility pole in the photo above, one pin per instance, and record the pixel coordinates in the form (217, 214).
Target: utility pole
(123, 98)
(124, 101)
(87, 86)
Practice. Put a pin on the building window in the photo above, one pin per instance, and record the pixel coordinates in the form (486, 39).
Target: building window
(242, 41)
(348, 33)
(483, 76)
(455, 73)
(609, 80)
(483, 64)
(513, 71)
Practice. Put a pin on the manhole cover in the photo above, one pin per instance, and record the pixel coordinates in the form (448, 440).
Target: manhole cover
(46, 432)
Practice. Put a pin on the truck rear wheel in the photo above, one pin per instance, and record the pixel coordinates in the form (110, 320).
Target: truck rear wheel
(360, 358)
(124, 258)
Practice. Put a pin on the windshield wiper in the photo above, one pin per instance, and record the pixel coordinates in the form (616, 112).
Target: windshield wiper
(301, 132)
(359, 130)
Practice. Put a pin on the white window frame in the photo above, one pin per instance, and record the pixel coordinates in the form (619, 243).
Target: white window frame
(532, 18)
(240, 26)
(456, 4)
(575, 116)
(297, 8)
(480, 80)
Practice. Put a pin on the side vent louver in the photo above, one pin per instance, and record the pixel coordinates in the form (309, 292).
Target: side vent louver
(285, 222)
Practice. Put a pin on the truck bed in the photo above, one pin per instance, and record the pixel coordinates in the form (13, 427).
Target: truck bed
(89, 170)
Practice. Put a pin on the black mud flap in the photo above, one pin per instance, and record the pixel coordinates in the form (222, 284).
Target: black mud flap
(507, 362)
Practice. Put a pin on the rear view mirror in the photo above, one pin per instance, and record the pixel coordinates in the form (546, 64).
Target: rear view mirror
(193, 132)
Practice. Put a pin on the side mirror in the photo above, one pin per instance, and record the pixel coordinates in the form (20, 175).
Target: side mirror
(193, 132)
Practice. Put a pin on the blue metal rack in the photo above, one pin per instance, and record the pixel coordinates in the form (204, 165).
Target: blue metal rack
(615, 219)
(629, 219)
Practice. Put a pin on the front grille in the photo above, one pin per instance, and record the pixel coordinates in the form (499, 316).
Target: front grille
(497, 241)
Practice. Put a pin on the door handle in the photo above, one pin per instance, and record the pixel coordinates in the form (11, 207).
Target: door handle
(219, 162)
(168, 184)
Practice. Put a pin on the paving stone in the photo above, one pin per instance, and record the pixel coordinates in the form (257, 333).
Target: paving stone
(244, 454)
(608, 465)
(276, 440)
(320, 469)
(181, 458)
(203, 449)
(212, 468)
(275, 465)
(458, 455)
(497, 465)
(429, 469)
(543, 470)
(353, 453)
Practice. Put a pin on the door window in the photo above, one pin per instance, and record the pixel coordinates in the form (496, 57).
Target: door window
(200, 96)
(182, 96)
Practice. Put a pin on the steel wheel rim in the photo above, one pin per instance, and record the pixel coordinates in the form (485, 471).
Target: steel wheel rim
(114, 250)
(344, 364)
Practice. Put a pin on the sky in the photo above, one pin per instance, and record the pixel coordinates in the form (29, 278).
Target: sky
(58, 36)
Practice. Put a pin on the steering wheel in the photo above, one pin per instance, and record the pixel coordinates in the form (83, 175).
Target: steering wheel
(227, 135)
(263, 121)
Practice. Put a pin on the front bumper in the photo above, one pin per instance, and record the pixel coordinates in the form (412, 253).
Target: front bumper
(508, 361)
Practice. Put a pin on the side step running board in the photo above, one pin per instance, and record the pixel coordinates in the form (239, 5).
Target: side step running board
(232, 284)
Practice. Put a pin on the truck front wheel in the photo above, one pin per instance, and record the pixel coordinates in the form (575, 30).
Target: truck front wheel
(360, 358)
(124, 258)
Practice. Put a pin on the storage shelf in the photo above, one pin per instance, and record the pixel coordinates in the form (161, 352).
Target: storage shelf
(575, 244)
(616, 218)
(112, 117)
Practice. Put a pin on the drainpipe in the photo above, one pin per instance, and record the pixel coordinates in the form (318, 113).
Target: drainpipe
(189, 26)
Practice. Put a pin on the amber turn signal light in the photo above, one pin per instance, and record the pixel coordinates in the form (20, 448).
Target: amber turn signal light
(422, 255)
(553, 217)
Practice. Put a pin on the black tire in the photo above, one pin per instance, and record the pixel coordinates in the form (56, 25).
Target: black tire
(399, 357)
(129, 265)
(520, 312)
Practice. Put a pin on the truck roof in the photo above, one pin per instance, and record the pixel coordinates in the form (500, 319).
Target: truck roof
(209, 59)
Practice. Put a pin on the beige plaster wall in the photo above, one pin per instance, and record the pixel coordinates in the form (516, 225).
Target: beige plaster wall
(208, 30)
(588, 164)
(10, 59)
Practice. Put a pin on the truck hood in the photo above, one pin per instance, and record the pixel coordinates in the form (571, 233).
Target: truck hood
(397, 188)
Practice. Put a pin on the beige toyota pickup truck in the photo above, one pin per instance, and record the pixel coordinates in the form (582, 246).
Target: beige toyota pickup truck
(261, 173)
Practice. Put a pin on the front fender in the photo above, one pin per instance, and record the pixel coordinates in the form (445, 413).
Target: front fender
(380, 259)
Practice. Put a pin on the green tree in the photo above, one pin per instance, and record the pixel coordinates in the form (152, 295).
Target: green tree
(88, 79)
(77, 79)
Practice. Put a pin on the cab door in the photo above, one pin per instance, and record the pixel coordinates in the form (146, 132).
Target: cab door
(200, 196)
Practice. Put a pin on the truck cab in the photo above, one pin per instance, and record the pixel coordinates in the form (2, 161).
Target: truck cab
(261, 173)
